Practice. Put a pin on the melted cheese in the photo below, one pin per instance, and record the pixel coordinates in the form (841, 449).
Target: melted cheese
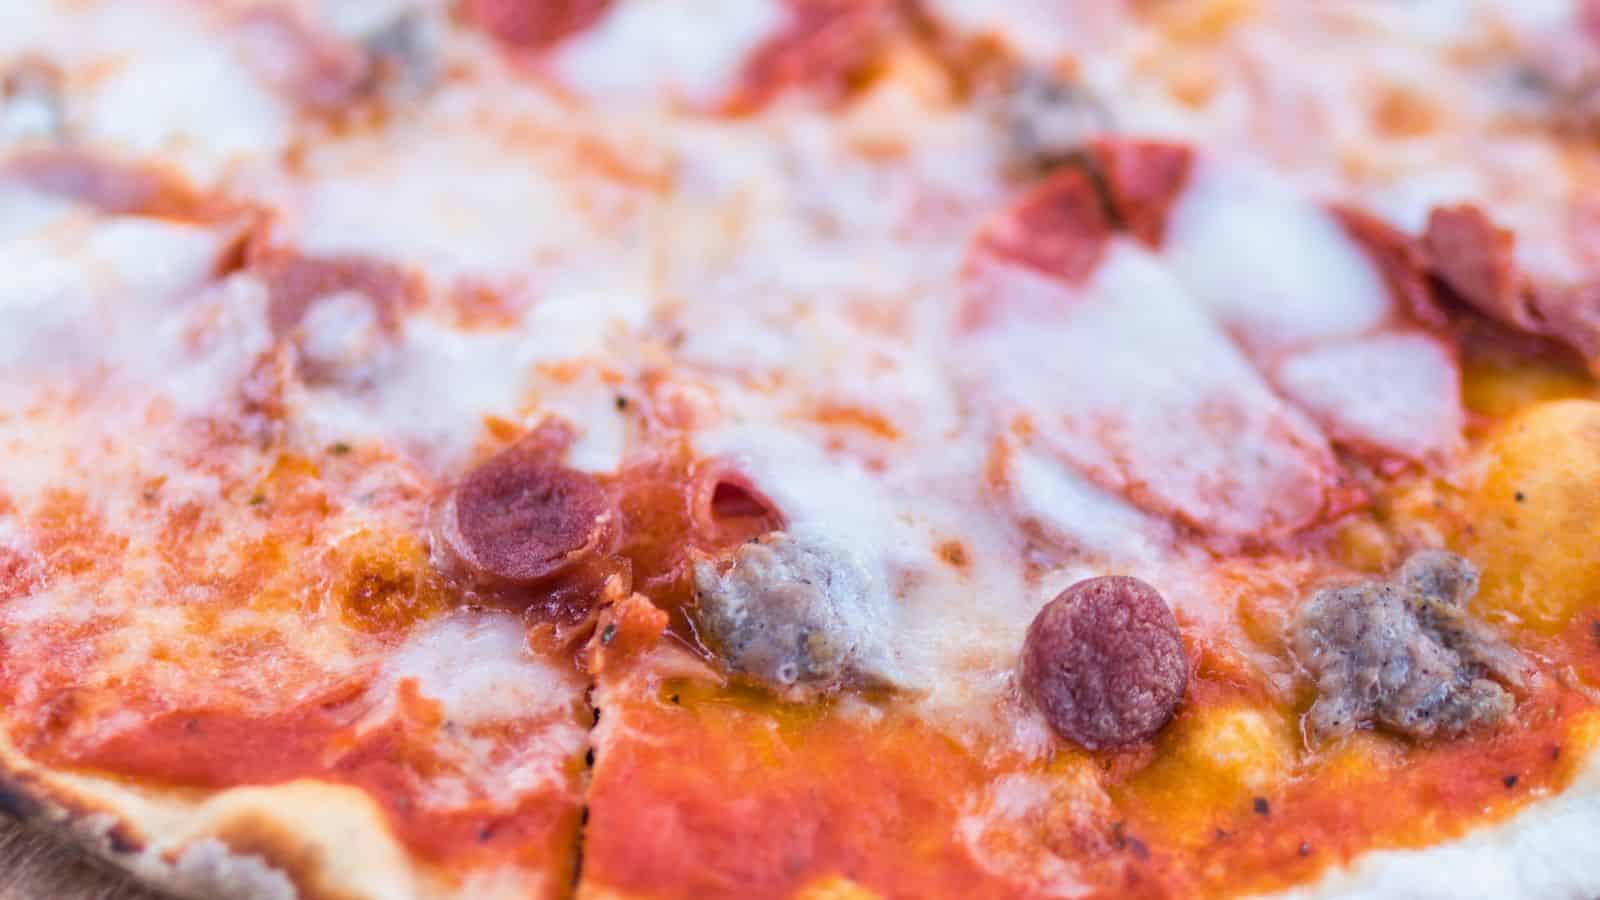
(1269, 265)
(660, 49)
(178, 91)
(796, 273)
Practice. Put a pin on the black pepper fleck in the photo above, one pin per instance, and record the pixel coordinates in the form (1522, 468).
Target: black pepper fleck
(1510, 781)
(622, 403)
(1138, 849)
(1262, 807)
(588, 758)
(609, 634)
(1304, 849)
(674, 699)
(340, 449)
(257, 499)
(1520, 496)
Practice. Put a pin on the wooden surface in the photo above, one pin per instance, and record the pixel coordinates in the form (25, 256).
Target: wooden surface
(35, 867)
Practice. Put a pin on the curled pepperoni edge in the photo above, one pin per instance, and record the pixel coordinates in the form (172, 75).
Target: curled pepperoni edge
(723, 499)
(586, 531)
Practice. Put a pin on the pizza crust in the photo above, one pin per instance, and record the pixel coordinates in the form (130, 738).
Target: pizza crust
(1545, 850)
(303, 840)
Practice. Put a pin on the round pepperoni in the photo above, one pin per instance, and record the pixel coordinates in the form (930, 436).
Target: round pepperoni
(522, 518)
(1104, 662)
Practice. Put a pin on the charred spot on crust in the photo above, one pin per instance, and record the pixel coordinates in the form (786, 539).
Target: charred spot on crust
(794, 614)
(1403, 654)
(1104, 662)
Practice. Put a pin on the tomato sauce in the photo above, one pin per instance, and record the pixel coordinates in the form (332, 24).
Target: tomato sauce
(219, 748)
(779, 798)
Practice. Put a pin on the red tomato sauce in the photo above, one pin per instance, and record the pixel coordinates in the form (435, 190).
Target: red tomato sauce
(781, 797)
(218, 749)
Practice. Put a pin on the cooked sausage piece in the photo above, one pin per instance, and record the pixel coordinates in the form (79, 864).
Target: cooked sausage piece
(800, 615)
(1403, 654)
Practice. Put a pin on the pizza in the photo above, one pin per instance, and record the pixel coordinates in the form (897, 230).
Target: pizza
(803, 448)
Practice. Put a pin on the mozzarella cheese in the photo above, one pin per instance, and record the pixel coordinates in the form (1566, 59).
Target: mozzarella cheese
(797, 272)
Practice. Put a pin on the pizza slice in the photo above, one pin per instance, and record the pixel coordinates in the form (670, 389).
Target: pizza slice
(801, 448)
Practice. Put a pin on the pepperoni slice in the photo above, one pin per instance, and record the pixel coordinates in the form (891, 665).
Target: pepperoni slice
(1104, 662)
(1125, 380)
(535, 24)
(825, 43)
(1400, 259)
(1059, 228)
(1142, 180)
(295, 283)
(1476, 259)
(523, 518)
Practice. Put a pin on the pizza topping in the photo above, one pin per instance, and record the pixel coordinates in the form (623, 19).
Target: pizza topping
(1062, 225)
(1047, 120)
(798, 615)
(1142, 180)
(1104, 662)
(1391, 394)
(729, 509)
(824, 45)
(1400, 258)
(1562, 67)
(1271, 266)
(403, 49)
(341, 312)
(625, 628)
(108, 186)
(522, 517)
(1058, 227)
(295, 284)
(318, 71)
(1476, 259)
(1404, 654)
(535, 24)
(1126, 379)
